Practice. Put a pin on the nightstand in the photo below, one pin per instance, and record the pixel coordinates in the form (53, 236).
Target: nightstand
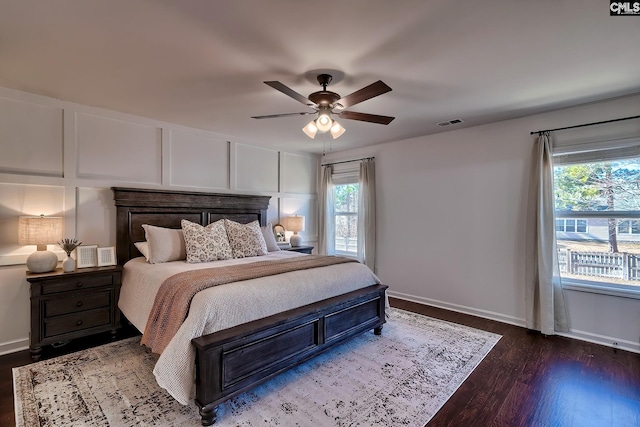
(73, 305)
(301, 249)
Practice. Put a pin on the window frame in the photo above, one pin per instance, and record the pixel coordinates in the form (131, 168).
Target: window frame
(595, 153)
(345, 177)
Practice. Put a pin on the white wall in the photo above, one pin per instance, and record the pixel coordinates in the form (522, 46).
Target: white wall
(451, 211)
(60, 158)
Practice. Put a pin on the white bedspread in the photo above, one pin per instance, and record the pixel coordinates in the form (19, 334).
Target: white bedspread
(225, 306)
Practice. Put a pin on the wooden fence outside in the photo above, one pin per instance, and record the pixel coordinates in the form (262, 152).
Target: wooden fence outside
(601, 264)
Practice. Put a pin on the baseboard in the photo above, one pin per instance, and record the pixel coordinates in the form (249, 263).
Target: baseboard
(486, 314)
(13, 346)
(604, 340)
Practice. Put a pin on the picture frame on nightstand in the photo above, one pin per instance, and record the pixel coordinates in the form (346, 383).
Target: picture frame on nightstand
(87, 256)
(106, 256)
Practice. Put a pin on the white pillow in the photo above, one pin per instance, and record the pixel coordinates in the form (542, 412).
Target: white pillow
(270, 238)
(143, 247)
(246, 239)
(206, 244)
(165, 244)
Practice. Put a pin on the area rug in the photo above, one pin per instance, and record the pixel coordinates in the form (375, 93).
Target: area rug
(402, 377)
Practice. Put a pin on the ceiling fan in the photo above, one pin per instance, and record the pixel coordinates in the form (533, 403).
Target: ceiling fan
(326, 103)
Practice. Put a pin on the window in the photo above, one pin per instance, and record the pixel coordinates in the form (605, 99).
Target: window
(571, 225)
(345, 197)
(629, 226)
(597, 200)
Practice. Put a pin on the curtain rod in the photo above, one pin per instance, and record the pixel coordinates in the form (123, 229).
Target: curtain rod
(348, 161)
(584, 125)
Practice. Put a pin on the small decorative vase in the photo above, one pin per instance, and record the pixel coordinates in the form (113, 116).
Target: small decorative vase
(69, 264)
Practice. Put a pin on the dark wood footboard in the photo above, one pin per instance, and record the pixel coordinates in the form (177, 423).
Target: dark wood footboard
(234, 360)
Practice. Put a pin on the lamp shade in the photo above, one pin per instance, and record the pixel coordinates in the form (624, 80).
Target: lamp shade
(310, 129)
(324, 122)
(336, 130)
(295, 223)
(39, 230)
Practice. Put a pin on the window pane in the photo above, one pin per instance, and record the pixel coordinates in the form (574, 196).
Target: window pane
(559, 224)
(581, 226)
(623, 226)
(570, 225)
(601, 249)
(347, 234)
(345, 198)
(602, 186)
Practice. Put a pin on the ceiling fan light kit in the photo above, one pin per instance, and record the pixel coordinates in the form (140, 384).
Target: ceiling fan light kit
(324, 102)
(310, 129)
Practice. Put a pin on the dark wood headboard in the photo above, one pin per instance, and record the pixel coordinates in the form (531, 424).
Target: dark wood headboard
(165, 208)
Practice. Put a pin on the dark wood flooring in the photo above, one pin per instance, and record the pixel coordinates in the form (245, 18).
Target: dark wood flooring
(526, 380)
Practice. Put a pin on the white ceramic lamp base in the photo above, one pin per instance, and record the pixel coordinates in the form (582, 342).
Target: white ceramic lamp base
(42, 262)
(295, 240)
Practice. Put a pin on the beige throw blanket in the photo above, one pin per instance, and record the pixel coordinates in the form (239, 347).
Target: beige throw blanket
(173, 299)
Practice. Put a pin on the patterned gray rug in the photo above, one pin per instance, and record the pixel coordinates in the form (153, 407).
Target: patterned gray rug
(399, 378)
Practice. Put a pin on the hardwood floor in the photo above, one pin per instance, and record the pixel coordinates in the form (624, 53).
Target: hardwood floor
(526, 380)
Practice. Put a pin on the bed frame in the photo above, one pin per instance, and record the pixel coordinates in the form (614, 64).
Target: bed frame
(234, 360)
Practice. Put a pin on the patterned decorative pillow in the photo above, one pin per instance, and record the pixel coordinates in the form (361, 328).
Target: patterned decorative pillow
(206, 244)
(246, 239)
(270, 238)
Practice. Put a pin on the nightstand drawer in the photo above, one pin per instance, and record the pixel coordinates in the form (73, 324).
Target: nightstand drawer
(76, 303)
(65, 284)
(76, 322)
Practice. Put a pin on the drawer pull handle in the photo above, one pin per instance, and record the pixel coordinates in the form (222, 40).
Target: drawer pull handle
(79, 304)
(79, 323)
(79, 285)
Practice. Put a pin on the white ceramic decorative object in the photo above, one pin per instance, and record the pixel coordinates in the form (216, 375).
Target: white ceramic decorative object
(68, 265)
(295, 240)
(42, 262)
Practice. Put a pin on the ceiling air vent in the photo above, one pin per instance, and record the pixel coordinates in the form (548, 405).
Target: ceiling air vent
(450, 122)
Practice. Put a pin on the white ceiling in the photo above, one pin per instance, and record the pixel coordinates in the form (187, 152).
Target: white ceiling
(201, 63)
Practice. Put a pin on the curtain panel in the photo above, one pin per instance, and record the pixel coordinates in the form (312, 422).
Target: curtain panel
(326, 233)
(367, 214)
(545, 306)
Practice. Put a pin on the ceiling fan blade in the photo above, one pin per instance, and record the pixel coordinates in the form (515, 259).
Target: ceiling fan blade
(273, 116)
(368, 92)
(290, 92)
(363, 117)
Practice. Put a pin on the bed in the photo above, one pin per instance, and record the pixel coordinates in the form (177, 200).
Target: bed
(230, 360)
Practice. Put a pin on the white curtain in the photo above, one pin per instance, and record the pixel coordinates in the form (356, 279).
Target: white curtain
(326, 228)
(545, 307)
(367, 214)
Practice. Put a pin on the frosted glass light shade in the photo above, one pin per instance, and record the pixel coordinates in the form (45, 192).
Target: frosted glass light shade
(310, 129)
(324, 122)
(337, 130)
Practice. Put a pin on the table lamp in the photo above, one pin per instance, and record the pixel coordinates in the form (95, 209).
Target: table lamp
(40, 231)
(295, 223)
